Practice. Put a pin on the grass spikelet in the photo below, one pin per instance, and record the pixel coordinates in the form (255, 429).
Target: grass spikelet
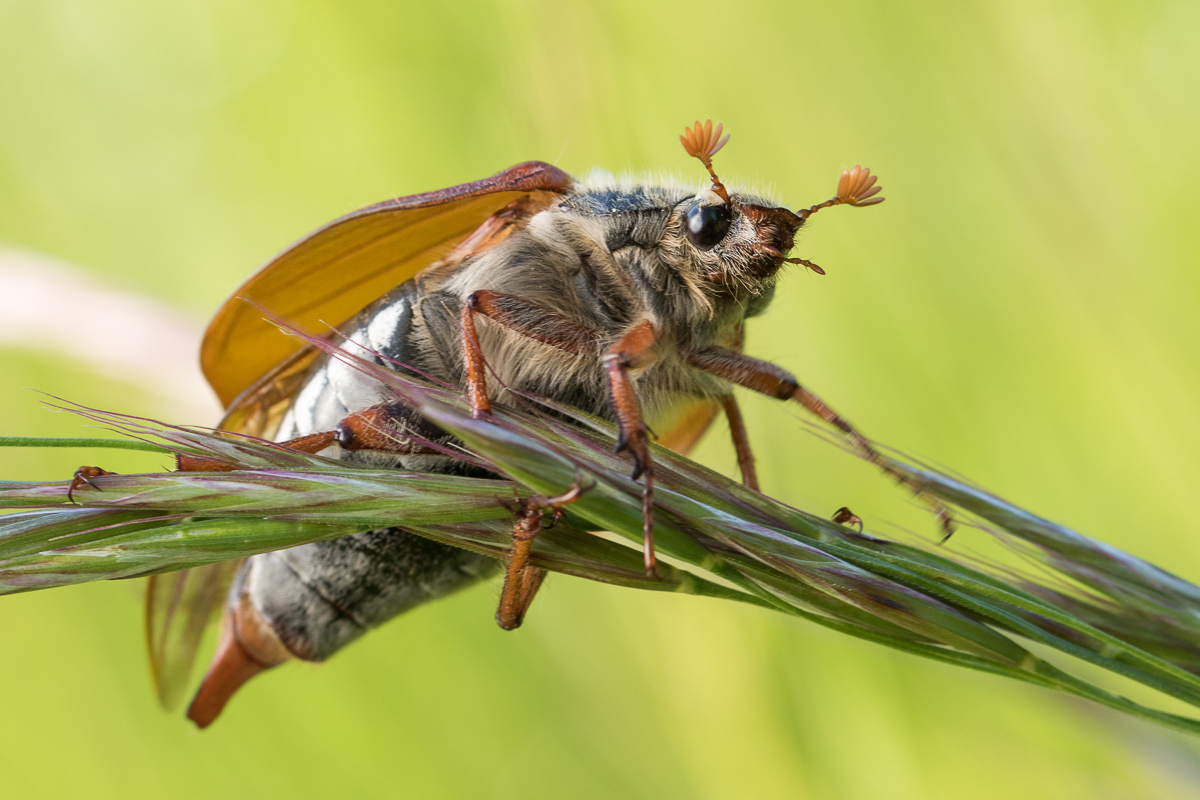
(1088, 601)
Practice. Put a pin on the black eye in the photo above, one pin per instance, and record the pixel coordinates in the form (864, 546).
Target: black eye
(707, 225)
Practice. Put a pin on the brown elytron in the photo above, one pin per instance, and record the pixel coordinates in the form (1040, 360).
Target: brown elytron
(626, 300)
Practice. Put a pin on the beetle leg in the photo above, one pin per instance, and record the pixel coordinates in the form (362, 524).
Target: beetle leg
(765, 377)
(844, 516)
(476, 373)
(385, 428)
(521, 579)
(82, 476)
(522, 317)
(632, 351)
(380, 428)
(741, 442)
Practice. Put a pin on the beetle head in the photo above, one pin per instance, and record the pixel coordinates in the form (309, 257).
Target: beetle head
(742, 241)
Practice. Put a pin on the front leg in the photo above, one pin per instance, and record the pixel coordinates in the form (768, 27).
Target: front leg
(765, 377)
(741, 442)
(634, 350)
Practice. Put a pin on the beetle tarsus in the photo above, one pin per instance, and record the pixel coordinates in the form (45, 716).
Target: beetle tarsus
(844, 516)
(83, 476)
(521, 578)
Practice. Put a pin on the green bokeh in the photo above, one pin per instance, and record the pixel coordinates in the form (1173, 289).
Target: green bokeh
(1022, 309)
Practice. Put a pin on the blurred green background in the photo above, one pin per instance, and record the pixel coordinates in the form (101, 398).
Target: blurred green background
(1022, 309)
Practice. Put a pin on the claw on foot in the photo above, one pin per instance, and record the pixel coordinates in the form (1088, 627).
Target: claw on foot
(84, 475)
(537, 503)
(844, 516)
(634, 437)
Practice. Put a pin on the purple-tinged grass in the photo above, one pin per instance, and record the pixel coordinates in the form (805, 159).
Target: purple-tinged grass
(1090, 600)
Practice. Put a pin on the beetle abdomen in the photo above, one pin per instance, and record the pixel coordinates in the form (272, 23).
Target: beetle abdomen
(322, 596)
(319, 598)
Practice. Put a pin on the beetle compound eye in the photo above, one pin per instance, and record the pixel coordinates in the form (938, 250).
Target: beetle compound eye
(707, 225)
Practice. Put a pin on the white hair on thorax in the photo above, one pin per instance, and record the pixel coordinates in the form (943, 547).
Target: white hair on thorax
(673, 182)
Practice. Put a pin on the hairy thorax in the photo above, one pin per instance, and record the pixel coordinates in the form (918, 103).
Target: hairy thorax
(564, 264)
(604, 258)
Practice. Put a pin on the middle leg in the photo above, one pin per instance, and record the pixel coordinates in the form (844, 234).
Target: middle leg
(521, 579)
(741, 442)
(634, 350)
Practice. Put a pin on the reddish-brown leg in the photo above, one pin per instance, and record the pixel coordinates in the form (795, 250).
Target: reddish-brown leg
(83, 476)
(378, 428)
(522, 317)
(765, 377)
(521, 579)
(476, 370)
(633, 350)
(520, 576)
(844, 516)
(382, 428)
(741, 442)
